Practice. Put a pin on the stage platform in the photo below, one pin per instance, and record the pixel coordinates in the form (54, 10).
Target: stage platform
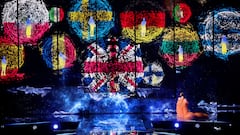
(119, 124)
(46, 110)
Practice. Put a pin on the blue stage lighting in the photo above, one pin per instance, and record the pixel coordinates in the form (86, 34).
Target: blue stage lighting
(55, 126)
(176, 125)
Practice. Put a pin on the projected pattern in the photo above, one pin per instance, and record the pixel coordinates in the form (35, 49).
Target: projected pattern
(90, 19)
(180, 46)
(119, 67)
(14, 56)
(144, 25)
(153, 74)
(32, 17)
(58, 51)
(182, 12)
(56, 14)
(220, 32)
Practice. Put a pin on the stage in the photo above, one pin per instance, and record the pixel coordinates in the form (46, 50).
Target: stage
(112, 67)
(116, 124)
(76, 111)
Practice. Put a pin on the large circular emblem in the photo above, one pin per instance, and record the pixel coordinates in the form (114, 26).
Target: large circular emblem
(180, 46)
(113, 66)
(90, 19)
(58, 51)
(27, 23)
(219, 31)
(145, 24)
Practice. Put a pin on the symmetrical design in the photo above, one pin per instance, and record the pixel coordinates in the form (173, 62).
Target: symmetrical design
(153, 74)
(56, 14)
(113, 67)
(90, 19)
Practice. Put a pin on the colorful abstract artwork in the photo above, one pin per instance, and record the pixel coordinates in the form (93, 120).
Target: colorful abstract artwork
(219, 31)
(58, 51)
(25, 21)
(90, 19)
(85, 60)
(56, 14)
(180, 46)
(153, 74)
(12, 58)
(182, 12)
(113, 66)
(143, 25)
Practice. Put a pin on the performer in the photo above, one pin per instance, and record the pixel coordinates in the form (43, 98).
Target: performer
(3, 66)
(113, 82)
(183, 112)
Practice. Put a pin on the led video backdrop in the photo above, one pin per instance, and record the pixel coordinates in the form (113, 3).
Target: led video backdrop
(144, 49)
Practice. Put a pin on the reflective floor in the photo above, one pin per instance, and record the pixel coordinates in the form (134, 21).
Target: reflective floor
(118, 124)
(74, 111)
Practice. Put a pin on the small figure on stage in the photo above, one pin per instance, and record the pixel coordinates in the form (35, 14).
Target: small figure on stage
(183, 112)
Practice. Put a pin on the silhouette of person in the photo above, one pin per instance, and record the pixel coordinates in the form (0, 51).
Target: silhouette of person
(143, 27)
(224, 44)
(3, 66)
(183, 112)
(62, 60)
(180, 53)
(92, 25)
(28, 27)
(114, 85)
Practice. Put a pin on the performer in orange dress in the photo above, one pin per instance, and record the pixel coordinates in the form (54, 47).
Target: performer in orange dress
(183, 112)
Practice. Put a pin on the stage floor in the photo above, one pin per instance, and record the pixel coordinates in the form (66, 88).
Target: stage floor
(118, 124)
(74, 111)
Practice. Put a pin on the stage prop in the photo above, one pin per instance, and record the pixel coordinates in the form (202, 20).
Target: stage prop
(145, 24)
(27, 23)
(90, 19)
(219, 32)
